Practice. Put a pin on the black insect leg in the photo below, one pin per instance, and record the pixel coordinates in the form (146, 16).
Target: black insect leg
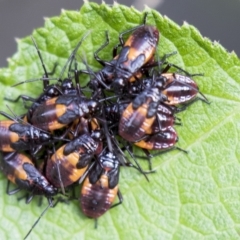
(11, 192)
(97, 58)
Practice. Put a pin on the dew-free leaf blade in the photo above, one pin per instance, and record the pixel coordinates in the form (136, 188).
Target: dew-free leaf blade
(191, 196)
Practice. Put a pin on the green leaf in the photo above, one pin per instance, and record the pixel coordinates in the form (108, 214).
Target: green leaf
(191, 196)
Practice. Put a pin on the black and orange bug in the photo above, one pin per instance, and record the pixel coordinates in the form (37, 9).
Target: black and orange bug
(165, 116)
(100, 187)
(52, 91)
(17, 136)
(180, 89)
(138, 50)
(58, 112)
(136, 53)
(88, 126)
(139, 115)
(70, 161)
(163, 140)
(21, 171)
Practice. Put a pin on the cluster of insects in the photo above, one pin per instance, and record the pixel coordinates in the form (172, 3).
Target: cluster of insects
(73, 134)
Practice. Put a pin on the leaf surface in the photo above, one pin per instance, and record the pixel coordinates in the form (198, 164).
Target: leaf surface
(191, 196)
